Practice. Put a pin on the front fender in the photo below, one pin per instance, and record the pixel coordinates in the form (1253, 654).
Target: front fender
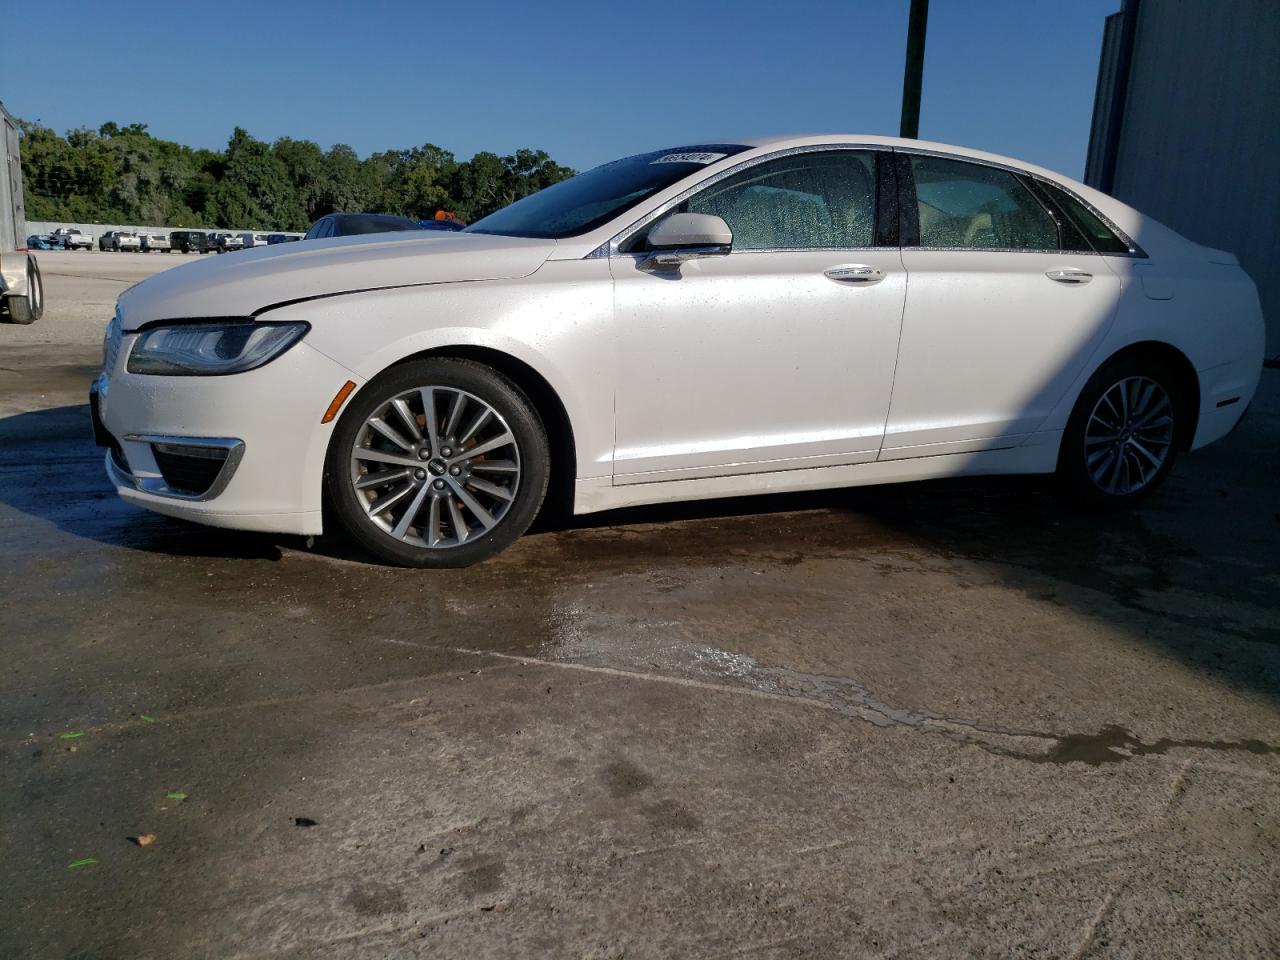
(559, 326)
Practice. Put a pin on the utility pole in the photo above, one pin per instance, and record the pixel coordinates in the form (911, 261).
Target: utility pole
(917, 20)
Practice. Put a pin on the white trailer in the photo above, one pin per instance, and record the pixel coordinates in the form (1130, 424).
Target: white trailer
(21, 290)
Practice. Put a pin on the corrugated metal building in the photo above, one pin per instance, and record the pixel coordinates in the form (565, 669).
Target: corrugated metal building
(1186, 127)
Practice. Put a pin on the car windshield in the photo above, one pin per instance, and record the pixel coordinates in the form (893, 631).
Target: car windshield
(593, 198)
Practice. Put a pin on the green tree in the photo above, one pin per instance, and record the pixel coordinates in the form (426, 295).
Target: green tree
(478, 185)
(343, 188)
(255, 190)
(303, 162)
(121, 173)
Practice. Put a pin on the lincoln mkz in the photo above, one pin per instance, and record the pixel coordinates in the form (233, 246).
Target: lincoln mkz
(703, 321)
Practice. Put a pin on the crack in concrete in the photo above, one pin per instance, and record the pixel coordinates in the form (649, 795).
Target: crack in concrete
(843, 695)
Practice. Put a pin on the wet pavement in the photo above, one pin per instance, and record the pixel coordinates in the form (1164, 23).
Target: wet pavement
(948, 719)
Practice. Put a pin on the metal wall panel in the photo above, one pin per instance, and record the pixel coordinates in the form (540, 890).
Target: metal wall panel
(1200, 145)
(1100, 126)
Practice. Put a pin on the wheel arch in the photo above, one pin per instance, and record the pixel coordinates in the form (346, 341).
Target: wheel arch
(1188, 381)
(546, 403)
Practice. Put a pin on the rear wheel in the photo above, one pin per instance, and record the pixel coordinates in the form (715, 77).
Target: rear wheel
(438, 463)
(1122, 438)
(30, 308)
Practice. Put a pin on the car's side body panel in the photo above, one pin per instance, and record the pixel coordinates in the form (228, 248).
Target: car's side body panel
(594, 495)
(1208, 312)
(993, 354)
(752, 362)
(561, 327)
(990, 344)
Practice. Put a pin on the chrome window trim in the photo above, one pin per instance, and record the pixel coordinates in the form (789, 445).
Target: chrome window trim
(611, 248)
(1065, 253)
(641, 254)
(1134, 249)
(157, 486)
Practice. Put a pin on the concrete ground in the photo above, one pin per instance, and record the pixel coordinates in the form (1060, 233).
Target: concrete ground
(954, 719)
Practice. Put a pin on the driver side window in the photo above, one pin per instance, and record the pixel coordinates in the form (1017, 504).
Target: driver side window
(800, 202)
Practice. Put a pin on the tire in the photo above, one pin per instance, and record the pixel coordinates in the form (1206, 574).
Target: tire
(1124, 432)
(30, 308)
(507, 482)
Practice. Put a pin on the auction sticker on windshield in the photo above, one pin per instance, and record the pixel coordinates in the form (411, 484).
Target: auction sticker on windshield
(690, 158)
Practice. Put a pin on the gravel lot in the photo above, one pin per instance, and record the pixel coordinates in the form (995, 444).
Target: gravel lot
(953, 719)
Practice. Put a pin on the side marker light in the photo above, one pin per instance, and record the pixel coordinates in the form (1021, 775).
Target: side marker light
(339, 399)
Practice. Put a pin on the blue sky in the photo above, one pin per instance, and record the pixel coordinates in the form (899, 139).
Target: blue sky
(585, 81)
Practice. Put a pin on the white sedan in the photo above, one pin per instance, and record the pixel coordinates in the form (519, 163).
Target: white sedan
(703, 321)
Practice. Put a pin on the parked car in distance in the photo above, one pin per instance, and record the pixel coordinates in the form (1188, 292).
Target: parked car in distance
(352, 224)
(227, 242)
(274, 238)
(253, 240)
(120, 241)
(155, 242)
(71, 239)
(42, 242)
(709, 320)
(189, 241)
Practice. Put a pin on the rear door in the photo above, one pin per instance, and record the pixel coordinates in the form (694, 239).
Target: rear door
(1005, 304)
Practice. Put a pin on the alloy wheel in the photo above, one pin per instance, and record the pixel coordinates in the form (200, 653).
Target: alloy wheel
(435, 467)
(1129, 435)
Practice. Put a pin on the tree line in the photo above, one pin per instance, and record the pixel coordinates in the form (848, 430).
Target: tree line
(122, 174)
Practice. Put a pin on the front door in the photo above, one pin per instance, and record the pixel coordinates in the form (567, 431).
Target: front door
(779, 355)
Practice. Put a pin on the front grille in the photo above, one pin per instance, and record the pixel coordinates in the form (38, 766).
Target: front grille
(189, 469)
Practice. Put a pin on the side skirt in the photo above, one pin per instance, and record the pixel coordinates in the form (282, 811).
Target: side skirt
(1038, 455)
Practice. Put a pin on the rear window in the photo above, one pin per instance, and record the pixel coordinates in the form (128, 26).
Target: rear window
(374, 223)
(970, 206)
(1100, 236)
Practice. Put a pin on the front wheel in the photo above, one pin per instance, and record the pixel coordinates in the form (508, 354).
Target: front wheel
(1122, 438)
(438, 463)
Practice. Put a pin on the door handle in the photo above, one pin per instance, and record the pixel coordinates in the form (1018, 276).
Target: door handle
(1069, 275)
(854, 273)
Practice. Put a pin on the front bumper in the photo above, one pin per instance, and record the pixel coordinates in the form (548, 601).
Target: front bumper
(267, 420)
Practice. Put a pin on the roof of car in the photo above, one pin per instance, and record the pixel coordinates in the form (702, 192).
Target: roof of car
(782, 141)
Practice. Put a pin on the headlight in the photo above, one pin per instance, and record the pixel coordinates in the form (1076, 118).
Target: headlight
(207, 349)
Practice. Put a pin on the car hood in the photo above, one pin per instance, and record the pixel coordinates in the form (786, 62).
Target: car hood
(246, 282)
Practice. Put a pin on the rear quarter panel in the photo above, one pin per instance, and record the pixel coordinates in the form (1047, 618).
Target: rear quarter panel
(1176, 295)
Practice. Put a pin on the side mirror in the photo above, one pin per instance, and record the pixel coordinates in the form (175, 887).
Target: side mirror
(686, 236)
